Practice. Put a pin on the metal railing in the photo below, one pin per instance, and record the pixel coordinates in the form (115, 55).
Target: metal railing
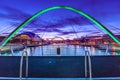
(21, 64)
(87, 56)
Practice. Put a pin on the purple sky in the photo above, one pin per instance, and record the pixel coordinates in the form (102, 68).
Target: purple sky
(60, 22)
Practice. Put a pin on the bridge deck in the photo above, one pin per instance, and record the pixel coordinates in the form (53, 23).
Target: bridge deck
(60, 66)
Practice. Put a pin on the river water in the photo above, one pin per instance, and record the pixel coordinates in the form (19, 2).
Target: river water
(64, 50)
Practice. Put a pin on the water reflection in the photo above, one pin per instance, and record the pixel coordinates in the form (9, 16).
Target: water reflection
(113, 53)
(65, 50)
(93, 50)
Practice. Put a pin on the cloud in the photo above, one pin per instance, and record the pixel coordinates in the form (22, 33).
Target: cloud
(38, 25)
(13, 14)
(48, 30)
(67, 33)
(62, 23)
(56, 27)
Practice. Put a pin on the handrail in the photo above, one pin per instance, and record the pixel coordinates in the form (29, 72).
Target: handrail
(87, 55)
(21, 64)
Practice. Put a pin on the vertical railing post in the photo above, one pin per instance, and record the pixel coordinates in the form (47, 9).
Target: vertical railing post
(85, 64)
(87, 57)
(21, 64)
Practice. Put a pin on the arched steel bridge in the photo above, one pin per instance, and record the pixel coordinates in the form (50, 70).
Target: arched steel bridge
(57, 38)
(108, 32)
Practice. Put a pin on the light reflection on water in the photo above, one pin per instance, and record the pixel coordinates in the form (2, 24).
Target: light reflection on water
(65, 50)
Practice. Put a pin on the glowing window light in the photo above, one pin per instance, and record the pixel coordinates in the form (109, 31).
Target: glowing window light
(58, 7)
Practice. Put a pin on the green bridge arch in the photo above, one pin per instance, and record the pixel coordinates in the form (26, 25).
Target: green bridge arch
(109, 33)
